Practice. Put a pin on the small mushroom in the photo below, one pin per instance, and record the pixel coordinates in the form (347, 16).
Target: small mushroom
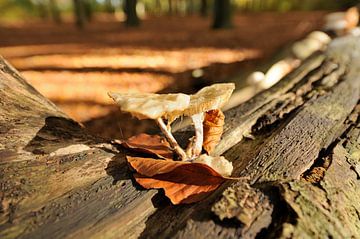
(219, 163)
(342, 23)
(157, 107)
(315, 41)
(171, 106)
(208, 98)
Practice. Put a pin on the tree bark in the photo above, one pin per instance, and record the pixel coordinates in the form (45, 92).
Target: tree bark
(58, 181)
(222, 14)
(132, 19)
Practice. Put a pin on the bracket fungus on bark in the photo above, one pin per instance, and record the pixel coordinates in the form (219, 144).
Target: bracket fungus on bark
(160, 107)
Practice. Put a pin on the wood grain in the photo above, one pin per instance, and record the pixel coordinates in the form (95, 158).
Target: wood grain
(58, 181)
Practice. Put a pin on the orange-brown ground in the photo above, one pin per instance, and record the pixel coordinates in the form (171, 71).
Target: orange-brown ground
(76, 68)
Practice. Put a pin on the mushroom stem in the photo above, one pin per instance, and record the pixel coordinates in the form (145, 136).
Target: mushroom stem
(196, 146)
(170, 138)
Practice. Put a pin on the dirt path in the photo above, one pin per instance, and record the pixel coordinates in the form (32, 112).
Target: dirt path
(75, 68)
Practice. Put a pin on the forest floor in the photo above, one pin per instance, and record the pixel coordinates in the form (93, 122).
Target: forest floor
(75, 69)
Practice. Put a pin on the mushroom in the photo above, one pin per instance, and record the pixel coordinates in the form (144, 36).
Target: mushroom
(341, 23)
(313, 42)
(157, 107)
(255, 78)
(208, 98)
(171, 106)
(219, 163)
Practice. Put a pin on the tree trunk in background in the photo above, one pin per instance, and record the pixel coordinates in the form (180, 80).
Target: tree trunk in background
(55, 12)
(43, 13)
(109, 8)
(79, 13)
(132, 19)
(190, 6)
(88, 10)
(204, 8)
(176, 7)
(222, 14)
(158, 7)
(171, 7)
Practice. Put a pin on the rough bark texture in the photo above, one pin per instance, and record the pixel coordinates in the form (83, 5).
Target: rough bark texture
(58, 181)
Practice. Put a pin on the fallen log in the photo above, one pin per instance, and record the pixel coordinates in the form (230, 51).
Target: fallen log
(59, 181)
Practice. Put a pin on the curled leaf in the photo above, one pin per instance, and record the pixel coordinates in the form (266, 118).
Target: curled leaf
(213, 129)
(183, 182)
(151, 144)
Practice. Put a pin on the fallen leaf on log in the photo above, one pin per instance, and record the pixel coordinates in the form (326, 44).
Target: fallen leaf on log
(151, 144)
(213, 129)
(183, 182)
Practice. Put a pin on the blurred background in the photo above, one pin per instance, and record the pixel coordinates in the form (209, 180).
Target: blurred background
(75, 51)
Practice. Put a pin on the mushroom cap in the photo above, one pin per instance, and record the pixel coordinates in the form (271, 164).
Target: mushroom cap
(319, 36)
(255, 78)
(208, 98)
(149, 105)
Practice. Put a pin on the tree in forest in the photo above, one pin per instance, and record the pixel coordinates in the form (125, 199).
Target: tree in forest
(79, 13)
(174, 7)
(190, 6)
(109, 8)
(88, 11)
(222, 14)
(132, 19)
(55, 12)
(204, 8)
(42, 11)
(171, 7)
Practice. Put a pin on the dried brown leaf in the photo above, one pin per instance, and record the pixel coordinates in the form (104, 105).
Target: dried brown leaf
(213, 129)
(152, 144)
(183, 182)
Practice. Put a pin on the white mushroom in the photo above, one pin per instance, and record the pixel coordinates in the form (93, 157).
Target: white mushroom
(255, 78)
(278, 71)
(208, 98)
(220, 164)
(171, 106)
(342, 22)
(313, 42)
(156, 107)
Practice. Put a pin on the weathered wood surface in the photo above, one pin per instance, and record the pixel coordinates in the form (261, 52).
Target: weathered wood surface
(58, 181)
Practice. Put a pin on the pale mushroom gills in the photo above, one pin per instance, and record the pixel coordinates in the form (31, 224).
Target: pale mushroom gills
(151, 106)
